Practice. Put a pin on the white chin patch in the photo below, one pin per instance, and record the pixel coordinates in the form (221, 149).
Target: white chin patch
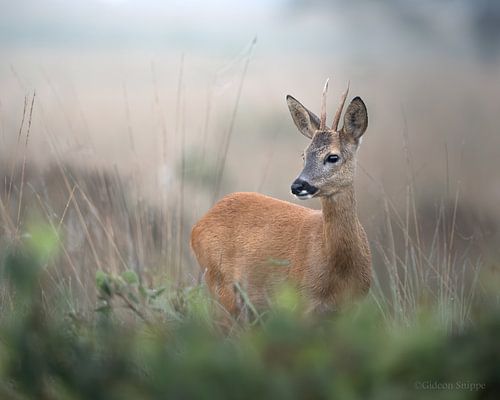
(303, 195)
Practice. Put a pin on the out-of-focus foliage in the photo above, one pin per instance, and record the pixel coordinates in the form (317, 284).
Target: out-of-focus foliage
(354, 355)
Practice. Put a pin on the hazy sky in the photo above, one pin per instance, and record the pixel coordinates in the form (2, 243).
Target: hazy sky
(382, 30)
(102, 23)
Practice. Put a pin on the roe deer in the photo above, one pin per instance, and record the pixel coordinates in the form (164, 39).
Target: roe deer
(258, 241)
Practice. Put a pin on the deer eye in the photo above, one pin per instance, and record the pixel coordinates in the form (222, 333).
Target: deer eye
(332, 158)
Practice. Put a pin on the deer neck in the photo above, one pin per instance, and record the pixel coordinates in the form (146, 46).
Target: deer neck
(340, 224)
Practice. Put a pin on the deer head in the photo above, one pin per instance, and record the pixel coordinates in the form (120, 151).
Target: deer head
(330, 158)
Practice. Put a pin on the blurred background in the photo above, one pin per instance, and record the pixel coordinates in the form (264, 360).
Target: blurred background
(146, 112)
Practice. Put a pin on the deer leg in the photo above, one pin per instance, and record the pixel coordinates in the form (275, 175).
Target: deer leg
(224, 292)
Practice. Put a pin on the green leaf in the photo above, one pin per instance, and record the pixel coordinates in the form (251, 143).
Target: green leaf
(130, 277)
(43, 240)
(157, 292)
(100, 278)
(143, 291)
(102, 282)
(103, 309)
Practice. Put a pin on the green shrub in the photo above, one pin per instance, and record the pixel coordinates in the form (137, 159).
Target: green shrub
(162, 343)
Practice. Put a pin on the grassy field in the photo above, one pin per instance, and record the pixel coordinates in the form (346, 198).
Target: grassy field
(122, 122)
(101, 299)
(167, 341)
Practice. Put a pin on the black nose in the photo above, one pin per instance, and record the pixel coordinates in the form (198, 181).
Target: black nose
(302, 188)
(297, 187)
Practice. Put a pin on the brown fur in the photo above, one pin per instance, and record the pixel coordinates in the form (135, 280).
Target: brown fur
(260, 242)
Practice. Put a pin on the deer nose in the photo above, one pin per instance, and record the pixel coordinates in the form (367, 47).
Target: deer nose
(303, 188)
(297, 187)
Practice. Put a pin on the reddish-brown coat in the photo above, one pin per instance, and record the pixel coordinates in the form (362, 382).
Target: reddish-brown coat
(259, 242)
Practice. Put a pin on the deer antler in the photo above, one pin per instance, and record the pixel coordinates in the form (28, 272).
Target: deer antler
(336, 119)
(322, 120)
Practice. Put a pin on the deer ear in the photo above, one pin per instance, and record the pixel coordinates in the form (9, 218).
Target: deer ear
(305, 120)
(355, 119)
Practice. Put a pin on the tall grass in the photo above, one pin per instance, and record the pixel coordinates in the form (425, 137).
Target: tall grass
(103, 220)
(161, 343)
(94, 271)
(105, 223)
